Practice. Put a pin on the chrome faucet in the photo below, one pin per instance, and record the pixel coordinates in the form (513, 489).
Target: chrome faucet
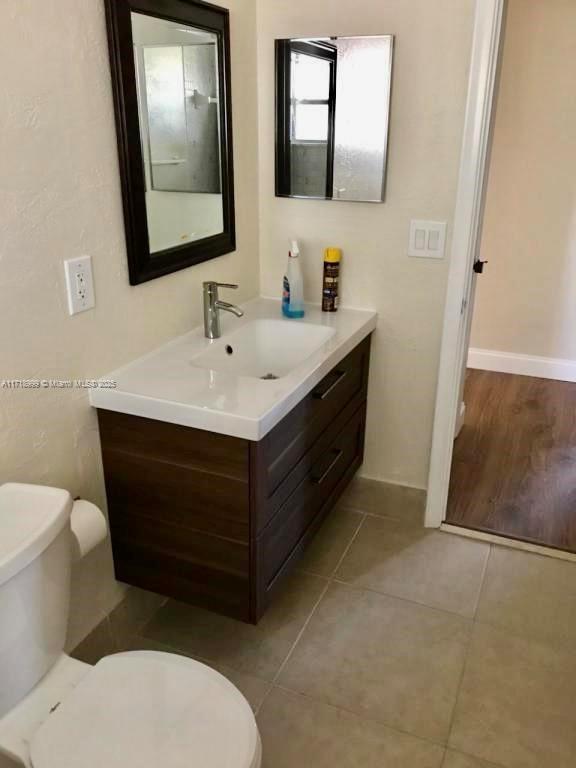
(212, 307)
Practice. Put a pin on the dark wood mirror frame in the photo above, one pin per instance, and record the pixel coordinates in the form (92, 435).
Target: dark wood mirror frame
(142, 264)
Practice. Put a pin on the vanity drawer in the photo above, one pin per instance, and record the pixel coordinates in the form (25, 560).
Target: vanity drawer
(302, 513)
(169, 493)
(176, 475)
(279, 451)
(208, 571)
(173, 444)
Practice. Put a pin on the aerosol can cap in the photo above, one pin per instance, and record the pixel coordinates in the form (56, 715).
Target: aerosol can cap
(332, 255)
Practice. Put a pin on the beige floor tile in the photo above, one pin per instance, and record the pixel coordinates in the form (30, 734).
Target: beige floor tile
(530, 595)
(378, 498)
(429, 567)
(382, 658)
(516, 704)
(100, 642)
(458, 760)
(133, 612)
(258, 650)
(301, 733)
(329, 544)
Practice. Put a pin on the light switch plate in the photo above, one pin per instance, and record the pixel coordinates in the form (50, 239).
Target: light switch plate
(427, 239)
(79, 284)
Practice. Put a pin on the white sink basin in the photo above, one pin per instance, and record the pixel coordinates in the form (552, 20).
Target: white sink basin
(264, 349)
(197, 383)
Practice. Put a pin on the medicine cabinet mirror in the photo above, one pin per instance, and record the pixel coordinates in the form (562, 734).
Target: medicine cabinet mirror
(171, 74)
(332, 115)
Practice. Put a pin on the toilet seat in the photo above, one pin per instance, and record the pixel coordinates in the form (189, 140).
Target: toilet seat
(145, 709)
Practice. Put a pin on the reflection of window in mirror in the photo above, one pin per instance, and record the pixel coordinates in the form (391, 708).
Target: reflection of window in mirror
(312, 99)
(333, 101)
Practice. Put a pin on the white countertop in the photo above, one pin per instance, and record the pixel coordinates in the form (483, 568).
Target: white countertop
(165, 385)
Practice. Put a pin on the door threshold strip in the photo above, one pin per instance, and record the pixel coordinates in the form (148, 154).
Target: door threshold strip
(504, 541)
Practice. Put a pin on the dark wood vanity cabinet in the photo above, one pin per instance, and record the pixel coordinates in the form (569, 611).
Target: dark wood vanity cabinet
(220, 521)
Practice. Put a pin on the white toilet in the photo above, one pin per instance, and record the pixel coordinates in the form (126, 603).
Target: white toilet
(132, 710)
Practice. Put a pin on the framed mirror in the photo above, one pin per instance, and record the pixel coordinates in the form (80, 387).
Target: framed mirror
(332, 117)
(171, 75)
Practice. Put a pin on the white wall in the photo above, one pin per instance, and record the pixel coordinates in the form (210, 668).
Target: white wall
(526, 299)
(429, 89)
(60, 197)
(180, 216)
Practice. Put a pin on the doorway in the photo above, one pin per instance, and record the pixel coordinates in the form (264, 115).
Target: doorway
(511, 355)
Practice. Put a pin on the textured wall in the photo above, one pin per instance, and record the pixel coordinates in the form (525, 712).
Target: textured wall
(428, 97)
(526, 300)
(59, 198)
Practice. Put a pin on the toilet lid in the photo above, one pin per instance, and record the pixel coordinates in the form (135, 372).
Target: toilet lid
(144, 710)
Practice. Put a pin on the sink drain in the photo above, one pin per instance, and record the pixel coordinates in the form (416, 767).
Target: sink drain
(269, 377)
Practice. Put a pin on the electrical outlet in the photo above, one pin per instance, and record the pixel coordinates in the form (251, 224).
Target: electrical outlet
(79, 284)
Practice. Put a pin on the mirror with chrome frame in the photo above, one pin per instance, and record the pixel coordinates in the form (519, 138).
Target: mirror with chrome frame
(171, 74)
(332, 117)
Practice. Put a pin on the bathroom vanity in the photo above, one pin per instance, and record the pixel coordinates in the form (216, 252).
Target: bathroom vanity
(217, 473)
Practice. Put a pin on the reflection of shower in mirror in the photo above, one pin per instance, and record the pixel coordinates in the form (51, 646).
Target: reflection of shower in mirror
(177, 78)
(200, 100)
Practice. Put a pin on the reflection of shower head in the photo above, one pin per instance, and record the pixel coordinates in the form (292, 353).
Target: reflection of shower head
(200, 100)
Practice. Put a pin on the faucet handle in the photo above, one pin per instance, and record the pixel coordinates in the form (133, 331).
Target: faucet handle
(215, 284)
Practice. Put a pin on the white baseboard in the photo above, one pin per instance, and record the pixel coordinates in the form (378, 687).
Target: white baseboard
(390, 481)
(523, 365)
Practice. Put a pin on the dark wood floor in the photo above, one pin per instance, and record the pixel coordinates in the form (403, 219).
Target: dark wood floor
(514, 466)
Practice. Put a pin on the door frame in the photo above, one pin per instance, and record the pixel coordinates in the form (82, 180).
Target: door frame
(486, 47)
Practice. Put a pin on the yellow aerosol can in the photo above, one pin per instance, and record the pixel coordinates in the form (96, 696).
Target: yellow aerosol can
(331, 280)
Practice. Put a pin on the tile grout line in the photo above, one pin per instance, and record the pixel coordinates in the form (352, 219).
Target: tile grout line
(353, 538)
(289, 654)
(482, 582)
(408, 522)
(389, 595)
(301, 632)
(460, 683)
(362, 718)
(264, 698)
(487, 763)
(329, 580)
(467, 653)
(331, 575)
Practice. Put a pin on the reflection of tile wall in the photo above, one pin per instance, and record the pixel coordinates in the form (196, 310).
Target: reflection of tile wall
(200, 69)
(198, 151)
(308, 169)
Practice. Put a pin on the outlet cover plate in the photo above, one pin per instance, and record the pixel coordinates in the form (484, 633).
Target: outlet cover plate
(79, 284)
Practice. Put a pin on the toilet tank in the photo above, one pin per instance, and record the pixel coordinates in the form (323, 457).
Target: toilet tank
(35, 563)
